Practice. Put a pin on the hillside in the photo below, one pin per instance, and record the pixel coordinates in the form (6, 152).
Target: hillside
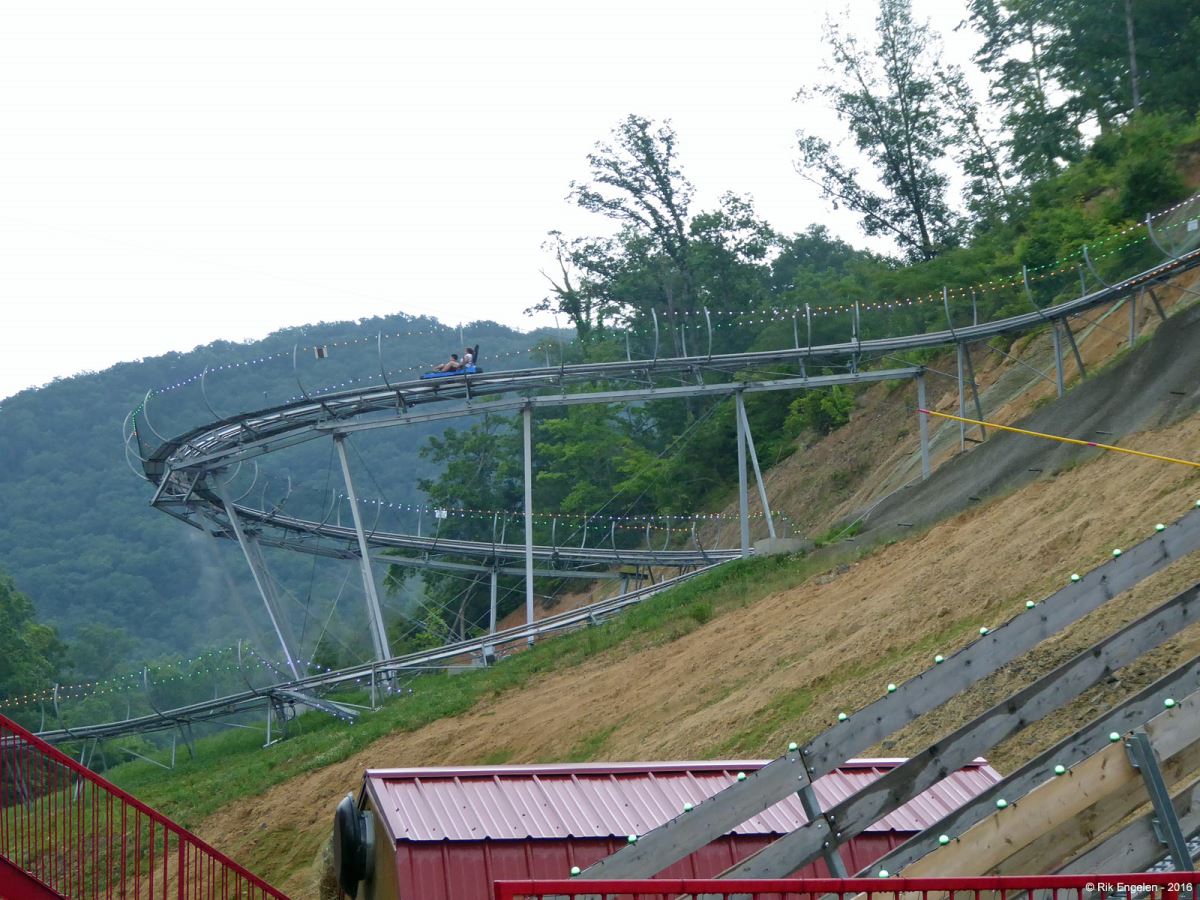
(775, 650)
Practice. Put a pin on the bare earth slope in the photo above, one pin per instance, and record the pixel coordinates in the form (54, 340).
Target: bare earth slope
(781, 669)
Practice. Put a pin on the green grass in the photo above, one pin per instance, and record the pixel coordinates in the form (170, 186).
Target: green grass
(232, 765)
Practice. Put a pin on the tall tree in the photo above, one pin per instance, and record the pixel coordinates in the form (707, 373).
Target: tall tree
(1041, 136)
(636, 180)
(890, 100)
(578, 288)
(31, 653)
(481, 469)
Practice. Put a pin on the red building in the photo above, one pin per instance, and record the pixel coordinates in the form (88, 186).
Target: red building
(448, 833)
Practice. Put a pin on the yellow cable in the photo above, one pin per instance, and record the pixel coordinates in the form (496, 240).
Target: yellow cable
(1065, 440)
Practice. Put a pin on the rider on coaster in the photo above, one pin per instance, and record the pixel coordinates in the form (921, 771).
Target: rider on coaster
(454, 364)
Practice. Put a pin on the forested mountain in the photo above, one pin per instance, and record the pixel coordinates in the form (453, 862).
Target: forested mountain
(77, 533)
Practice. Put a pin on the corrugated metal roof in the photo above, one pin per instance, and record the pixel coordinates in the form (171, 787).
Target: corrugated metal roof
(616, 799)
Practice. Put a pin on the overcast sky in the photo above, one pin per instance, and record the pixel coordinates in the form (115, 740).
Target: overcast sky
(171, 174)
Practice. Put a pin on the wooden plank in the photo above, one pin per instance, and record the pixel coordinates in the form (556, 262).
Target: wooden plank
(670, 842)
(1131, 713)
(922, 771)
(1136, 847)
(1059, 808)
(938, 684)
(1060, 845)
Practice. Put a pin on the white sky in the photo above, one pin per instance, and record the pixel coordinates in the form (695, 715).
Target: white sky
(172, 174)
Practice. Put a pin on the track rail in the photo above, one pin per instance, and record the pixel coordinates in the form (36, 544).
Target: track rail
(184, 468)
(380, 672)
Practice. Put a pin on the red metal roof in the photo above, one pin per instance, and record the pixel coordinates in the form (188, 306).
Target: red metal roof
(602, 800)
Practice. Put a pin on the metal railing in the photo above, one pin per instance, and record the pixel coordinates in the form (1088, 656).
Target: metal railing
(83, 837)
(1158, 885)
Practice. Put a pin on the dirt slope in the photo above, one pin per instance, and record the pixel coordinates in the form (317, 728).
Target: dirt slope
(781, 669)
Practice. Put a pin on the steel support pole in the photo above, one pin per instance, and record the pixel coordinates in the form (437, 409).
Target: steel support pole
(527, 422)
(1058, 360)
(1166, 822)
(962, 402)
(374, 613)
(812, 809)
(262, 580)
(762, 488)
(923, 425)
(1074, 347)
(975, 392)
(1157, 306)
(1133, 318)
(492, 601)
(743, 500)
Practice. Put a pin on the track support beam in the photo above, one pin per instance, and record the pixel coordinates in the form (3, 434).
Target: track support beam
(743, 499)
(374, 612)
(262, 580)
(1059, 381)
(1166, 822)
(923, 426)
(758, 479)
(527, 430)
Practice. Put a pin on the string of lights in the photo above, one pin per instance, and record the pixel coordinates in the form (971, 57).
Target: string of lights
(1068, 264)
(549, 518)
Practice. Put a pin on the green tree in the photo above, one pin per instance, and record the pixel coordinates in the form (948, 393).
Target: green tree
(894, 107)
(32, 653)
(1041, 136)
(636, 180)
(481, 468)
(819, 412)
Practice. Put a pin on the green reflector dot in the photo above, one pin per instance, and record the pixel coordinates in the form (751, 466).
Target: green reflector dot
(943, 839)
(687, 807)
(939, 659)
(842, 717)
(1114, 736)
(884, 873)
(1169, 703)
(1074, 576)
(1198, 504)
(793, 746)
(1060, 770)
(983, 630)
(741, 776)
(632, 839)
(891, 688)
(575, 870)
(1001, 803)
(1160, 527)
(1116, 551)
(1029, 604)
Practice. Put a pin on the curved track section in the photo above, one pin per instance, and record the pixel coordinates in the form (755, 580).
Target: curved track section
(184, 468)
(380, 673)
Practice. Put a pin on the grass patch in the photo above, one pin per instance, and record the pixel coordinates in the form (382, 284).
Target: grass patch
(839, 533)
(785, 707)
(590, 745)
(233, 764)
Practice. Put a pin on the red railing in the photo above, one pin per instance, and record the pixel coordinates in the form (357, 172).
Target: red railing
(83, 837)
(1164, 885)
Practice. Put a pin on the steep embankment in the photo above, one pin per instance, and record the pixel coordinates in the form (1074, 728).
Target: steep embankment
(746, 682)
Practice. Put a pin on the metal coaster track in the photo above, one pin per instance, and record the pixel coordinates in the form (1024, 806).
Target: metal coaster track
(185, 470)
